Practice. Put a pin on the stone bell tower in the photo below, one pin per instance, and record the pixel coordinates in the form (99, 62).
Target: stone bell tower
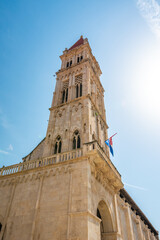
(77, 114)
(67, 188)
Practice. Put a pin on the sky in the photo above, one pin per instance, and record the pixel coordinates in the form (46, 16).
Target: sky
(125, 39)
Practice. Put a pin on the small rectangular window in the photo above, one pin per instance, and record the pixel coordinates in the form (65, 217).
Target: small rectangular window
(78, 60)
(71, 63)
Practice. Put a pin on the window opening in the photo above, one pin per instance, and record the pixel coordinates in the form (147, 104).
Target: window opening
(58, 145)
(77, 90)
(80, 89)
(67, 64)
(0, 226)
(76, 140)
(71, 63)
(78, 85)
(65, 95)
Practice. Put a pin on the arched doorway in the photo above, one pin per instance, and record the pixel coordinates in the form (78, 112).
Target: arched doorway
(106, 225)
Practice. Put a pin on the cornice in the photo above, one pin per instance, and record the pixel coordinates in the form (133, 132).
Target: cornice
(104, 174)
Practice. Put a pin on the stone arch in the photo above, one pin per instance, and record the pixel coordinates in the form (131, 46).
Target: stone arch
(106, 225)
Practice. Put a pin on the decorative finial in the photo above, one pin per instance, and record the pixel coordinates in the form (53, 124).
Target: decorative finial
(81, 36)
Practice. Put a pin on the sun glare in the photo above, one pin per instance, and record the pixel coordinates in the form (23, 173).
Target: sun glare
(146, 87)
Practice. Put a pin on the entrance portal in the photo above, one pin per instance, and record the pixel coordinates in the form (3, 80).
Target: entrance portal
(106, 226)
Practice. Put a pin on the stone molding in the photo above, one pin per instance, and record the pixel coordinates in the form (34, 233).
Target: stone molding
(38, 174)
(104, 176)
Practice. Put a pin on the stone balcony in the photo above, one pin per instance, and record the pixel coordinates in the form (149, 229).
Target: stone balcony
(91, 150)
(41, 162)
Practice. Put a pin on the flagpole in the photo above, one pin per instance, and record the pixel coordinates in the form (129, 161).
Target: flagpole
(112, 136)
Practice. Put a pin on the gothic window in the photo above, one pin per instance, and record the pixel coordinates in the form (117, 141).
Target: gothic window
(79, 59)
(78, 90)
(67, 64)
(0, 226)
(71, 63)
(78, 84)
(65, 95)
(76, 140)
(58, 145)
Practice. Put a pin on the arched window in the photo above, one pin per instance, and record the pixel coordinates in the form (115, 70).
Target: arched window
(76, 140)
(78, 90)
(78, 85)
(58, 145)
(65, 95)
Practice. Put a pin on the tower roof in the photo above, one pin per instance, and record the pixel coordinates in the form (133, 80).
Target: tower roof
(78, 43)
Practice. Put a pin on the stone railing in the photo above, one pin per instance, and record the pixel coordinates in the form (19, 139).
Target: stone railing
(41, 162)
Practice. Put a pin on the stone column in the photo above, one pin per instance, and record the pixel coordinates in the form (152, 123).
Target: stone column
(138, 222)
(118, 227)
(129, 223)
(147, 233)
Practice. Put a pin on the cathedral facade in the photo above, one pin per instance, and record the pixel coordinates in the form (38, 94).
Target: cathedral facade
(67, 188)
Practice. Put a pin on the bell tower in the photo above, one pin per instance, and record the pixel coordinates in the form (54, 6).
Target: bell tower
(77, 115)
(67, 188)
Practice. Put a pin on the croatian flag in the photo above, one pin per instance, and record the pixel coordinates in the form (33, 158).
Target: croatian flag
(109, 143)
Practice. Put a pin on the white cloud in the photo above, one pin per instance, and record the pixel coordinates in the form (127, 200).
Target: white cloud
(4, 152)
(150, 10)
(10, 147)
(137, 187)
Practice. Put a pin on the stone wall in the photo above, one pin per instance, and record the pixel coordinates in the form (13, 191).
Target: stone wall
(45, 204)
(60, 202)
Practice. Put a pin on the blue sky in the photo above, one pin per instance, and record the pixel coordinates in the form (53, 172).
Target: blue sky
(125, 39)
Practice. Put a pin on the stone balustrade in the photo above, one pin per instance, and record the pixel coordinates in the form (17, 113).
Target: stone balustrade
(40, 162)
